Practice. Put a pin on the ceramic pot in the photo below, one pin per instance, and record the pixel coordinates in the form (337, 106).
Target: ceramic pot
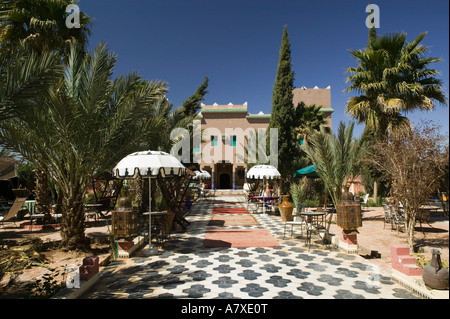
(434, 275)
(267, 190)
(286, 208)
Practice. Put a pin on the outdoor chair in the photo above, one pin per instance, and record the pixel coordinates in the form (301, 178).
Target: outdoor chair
(14, 210)
(181, 211)
(273, 205)
(364, 200)
(297, 220)
(445, 208)
(251, 203)
(399, 220)
(387, 217)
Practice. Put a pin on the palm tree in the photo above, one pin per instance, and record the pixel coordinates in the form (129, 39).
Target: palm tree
(24, 80)
(336, 157)
(392, 77)
(310, 119)
(40, 25)
(88, 123)
(180, 117)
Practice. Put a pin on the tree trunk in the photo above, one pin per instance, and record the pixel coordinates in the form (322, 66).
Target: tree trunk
(375, 189)
(73, 221)
(41, 193)
(410, 223)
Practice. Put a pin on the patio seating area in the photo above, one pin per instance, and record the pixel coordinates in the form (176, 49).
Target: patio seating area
(187, 267)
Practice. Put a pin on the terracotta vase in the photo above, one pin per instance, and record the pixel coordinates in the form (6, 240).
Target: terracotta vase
(267, 190)
(286, 208)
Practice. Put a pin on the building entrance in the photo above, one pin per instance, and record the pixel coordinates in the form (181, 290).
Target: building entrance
(224, 181)
(224, 175)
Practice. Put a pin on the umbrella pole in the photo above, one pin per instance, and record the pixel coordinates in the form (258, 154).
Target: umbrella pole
(151, 250)
(149, 212)
(264, 194)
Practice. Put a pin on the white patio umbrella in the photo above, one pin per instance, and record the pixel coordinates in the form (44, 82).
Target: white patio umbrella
(149, 164)
(201, 175)
(263, 172)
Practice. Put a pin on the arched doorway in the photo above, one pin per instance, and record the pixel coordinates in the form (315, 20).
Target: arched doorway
(224, 181)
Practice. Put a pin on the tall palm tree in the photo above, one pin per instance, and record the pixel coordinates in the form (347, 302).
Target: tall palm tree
(336, 157)
(392, 78)
(23, 79)
(310, 119)
(88, 124)
(40, 25)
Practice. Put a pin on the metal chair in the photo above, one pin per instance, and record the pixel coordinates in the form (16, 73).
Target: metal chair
(387, 216)
(298, 221)
(399, 220)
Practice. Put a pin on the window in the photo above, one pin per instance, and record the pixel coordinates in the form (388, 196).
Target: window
(213, 140)
(233, 140)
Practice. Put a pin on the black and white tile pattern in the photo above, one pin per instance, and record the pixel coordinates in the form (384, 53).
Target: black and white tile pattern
(186, 269)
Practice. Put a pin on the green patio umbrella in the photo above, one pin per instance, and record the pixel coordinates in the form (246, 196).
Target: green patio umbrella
(309, 171)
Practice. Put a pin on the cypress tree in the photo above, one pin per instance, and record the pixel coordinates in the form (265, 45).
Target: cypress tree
(283, 112)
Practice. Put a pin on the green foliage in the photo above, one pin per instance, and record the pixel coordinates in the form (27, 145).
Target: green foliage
(309, 118)
(297, 193)
(14, 259)
(421, 261)
(378, 203)
(336, 157)
(191, 105)
(283, 112)
(306, 191)
(392, 76)
(89, 122)
(47, 286)
(40, 25)
(25, 173)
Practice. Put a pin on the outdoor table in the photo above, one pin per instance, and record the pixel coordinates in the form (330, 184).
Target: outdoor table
(424, 213)
(313, 223)
(92, 210)
(262, 199)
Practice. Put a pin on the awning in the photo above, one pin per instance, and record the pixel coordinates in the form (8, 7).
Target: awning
(309, 171)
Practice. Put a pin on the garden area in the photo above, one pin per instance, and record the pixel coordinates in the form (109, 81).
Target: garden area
(67, 120)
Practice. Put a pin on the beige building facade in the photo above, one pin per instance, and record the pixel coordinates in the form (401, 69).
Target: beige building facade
(230, 136)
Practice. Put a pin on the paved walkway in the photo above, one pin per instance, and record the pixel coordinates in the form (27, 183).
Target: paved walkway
(184, 268)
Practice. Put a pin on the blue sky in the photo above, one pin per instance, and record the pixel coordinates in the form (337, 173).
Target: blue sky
(236, 44)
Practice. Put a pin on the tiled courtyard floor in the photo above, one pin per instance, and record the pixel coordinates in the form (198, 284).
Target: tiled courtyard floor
(184, 268)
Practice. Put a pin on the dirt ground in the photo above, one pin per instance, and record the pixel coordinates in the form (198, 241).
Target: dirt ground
(51, 255)
(373, 236)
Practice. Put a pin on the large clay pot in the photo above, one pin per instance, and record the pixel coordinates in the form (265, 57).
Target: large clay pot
(286, 208)
(434, 275)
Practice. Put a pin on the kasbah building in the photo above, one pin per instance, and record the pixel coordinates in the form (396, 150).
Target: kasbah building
(230, 173)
